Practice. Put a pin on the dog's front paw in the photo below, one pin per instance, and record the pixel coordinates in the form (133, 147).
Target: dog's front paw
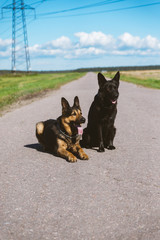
(84, 156)
(72, 158)
(111, 147)
(101, 150)
(101, 147)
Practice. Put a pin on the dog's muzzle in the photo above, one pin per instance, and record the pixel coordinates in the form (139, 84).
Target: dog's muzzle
(82, 120)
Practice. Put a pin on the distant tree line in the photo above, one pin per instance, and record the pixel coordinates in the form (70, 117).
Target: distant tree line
(120, 68)
(95, 69)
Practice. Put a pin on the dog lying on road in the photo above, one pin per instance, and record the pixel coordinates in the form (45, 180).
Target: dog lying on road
(100, 130)
(62, 136)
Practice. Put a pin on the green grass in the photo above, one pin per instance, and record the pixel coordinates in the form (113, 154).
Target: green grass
(13, 87)
(148, 80)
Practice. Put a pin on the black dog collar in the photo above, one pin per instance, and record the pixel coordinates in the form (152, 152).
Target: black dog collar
(66, 135)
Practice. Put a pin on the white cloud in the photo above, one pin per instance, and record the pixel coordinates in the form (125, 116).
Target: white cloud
(95, 39)
(98, 44)
(88, 45)
(41, 50)
(151, 42)
(62, 43)
(5, 43)
(5, 47)
(90, 50)
(127, 41)
(85, 52)
(65, 47)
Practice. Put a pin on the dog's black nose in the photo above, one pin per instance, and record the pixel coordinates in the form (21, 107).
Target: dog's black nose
(116, 95)
(82, 120)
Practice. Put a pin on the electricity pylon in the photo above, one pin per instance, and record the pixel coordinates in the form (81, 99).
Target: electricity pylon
(20, 48)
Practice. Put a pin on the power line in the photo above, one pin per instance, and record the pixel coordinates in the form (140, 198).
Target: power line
(34, 3)
(38, 3)
(99, 12)
(82, 7)
(127, 8)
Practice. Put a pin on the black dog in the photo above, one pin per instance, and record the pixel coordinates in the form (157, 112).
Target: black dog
(100, 130)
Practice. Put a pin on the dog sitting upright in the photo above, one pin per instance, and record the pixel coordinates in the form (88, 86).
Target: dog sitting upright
(100, 130)
(62, 136)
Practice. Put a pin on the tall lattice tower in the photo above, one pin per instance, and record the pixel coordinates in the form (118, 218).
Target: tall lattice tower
(20, 48)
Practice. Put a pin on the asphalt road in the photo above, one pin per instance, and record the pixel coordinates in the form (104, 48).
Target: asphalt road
(113, 196)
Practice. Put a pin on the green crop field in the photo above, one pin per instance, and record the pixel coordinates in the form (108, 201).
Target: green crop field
(14, 87)
(146, 78)
(24, 86)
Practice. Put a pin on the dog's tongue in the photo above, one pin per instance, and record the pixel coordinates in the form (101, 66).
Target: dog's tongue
(114, 102)
(80, 130)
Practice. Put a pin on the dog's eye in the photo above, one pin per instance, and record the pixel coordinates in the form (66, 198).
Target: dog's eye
(74, 114)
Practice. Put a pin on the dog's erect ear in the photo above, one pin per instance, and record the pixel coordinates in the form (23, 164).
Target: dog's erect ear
(76, 101)
(65, 104)
(117, 77)
(101, 80)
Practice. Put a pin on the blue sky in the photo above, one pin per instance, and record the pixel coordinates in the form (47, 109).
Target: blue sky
(111, 34)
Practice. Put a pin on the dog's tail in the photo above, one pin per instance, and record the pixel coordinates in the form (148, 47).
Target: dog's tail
(39, 132)
(39, 128)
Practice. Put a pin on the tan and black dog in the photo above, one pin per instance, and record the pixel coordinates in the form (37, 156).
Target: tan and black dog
(61, 137)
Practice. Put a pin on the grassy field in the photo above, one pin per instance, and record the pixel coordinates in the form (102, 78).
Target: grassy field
(146, 78)
(21, 86)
